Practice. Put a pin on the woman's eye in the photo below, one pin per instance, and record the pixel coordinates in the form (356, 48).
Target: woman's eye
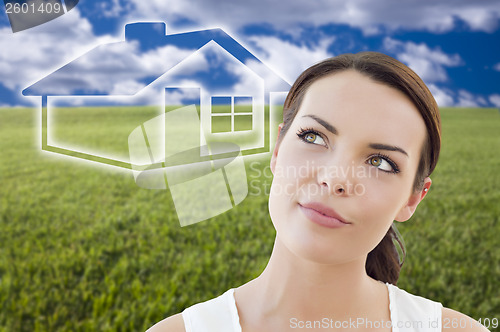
(382, 164)
(312, 137)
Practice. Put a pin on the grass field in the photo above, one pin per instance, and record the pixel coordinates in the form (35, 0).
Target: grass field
(82, 248)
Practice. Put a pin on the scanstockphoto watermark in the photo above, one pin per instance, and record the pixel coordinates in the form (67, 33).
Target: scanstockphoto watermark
(260, 178)
(330, 323)
(360, 323)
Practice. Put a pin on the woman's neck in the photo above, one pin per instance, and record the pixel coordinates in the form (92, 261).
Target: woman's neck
(291, 287)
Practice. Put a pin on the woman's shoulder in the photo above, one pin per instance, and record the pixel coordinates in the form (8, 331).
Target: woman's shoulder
(453, 320)
(217, 314)
(173, 323)
(410, 307)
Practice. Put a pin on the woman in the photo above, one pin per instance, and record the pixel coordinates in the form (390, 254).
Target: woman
(360, 137)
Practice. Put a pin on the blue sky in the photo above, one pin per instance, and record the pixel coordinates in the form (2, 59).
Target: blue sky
(454, 45)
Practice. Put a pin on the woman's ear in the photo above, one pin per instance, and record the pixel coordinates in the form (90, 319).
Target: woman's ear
(409, 208)
(275, 151)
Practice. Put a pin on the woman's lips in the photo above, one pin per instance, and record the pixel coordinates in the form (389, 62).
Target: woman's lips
(322, 215)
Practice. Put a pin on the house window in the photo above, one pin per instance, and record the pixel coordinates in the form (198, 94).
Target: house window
(231, 114)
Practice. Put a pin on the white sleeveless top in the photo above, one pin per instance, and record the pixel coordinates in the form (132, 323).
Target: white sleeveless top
(409, 313)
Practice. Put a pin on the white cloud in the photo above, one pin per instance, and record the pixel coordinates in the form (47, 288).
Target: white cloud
(178, 96)
(30, 55)
(495, 100)
(126, 86)
(444, 97)
(287, 59)
(467, 99)
(447, 98)
(480, 18)
(497, 67)
(428, 63)
(436, 16)
(115, 9)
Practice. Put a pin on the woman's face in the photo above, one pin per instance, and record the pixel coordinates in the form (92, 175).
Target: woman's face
(345, 168)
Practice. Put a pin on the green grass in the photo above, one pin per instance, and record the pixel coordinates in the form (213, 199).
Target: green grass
(82, 248)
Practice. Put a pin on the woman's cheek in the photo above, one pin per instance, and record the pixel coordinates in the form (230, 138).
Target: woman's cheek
(376, 199)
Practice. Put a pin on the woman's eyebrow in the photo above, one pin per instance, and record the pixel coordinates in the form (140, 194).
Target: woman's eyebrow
(379, 146)
(322, 122)
(333, 130)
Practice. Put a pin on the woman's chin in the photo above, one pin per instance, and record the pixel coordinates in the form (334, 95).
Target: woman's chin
(309, 247)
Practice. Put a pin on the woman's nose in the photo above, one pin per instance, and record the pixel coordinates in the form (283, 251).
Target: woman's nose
(338, 176)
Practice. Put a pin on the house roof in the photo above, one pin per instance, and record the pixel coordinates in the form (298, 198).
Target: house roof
(120, 63)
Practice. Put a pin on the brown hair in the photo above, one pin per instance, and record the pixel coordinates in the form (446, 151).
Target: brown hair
(383, 262)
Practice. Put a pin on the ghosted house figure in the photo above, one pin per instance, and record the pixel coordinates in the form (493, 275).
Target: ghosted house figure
(117, 87)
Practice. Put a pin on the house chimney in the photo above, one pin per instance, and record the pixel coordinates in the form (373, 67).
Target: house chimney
(145, 31)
